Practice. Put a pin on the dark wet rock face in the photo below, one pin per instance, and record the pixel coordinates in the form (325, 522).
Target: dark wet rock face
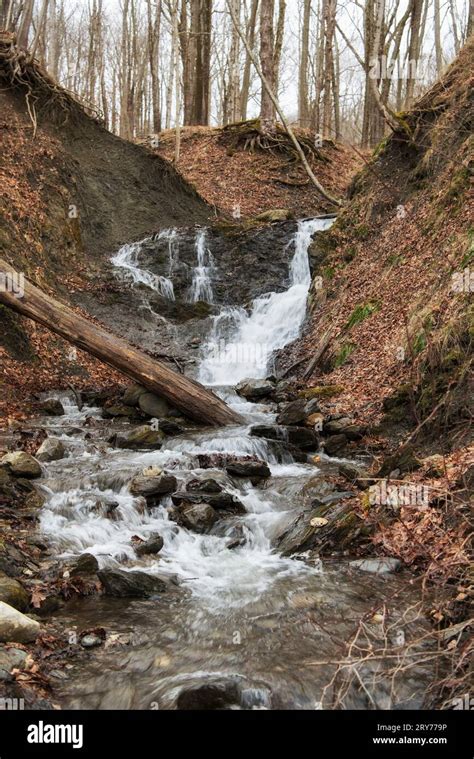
(123, 584)
(243, 270)
(236, 466)
(221, 694)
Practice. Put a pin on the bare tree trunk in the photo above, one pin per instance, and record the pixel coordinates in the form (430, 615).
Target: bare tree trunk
(250, 36)
(154, 25)
(25, 24)
(303, 104)
(413, 50)
(267, 106)
(234, 69)
(280, 31)
(437, 38)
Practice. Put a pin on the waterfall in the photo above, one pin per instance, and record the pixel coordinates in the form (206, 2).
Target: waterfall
(127, 259)
(241, 343)
(201, 287)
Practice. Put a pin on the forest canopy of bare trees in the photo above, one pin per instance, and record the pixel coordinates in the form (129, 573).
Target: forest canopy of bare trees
(341, 68)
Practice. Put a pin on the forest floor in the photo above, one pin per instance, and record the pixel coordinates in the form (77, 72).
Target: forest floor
(248, 182)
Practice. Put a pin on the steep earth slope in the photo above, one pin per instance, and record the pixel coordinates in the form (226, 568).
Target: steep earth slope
(72, 193)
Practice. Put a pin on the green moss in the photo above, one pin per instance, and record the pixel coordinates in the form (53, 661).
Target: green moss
(419, 344)
(395, 259)
(321, 391)
(362, 231)
(361, 312)
(343, 354)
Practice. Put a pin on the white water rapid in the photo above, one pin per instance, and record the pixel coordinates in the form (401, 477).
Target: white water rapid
(241, 343)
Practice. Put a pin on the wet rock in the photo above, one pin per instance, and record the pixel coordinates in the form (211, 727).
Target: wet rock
(254, 389)
(293, 412)
(153, 406)
(207, 485)
(297, 536)
(151, 546)
(11, 658)
(141, 438)
(382, 565)
(297, 411)
(267, 431)
(32, 503)
(170, 427)
(16, 627)
(123, 584)
(346, 426)
(218, 500)
(198, 517)
(351, 472)
(335, 444)
(91, 641)
(85, 564)
(132, 394)
(248, 467)
(302, 437)
(147, 486)
(118, 410)
(51, 407)
(237, 466)
(219, 694)
(21, 464)
(50, 450)
(13, 593)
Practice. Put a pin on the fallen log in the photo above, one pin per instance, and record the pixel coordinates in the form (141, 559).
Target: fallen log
(187, 395)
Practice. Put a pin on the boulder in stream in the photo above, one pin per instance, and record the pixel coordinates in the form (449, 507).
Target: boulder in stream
(16, 627)
(296, 412)
(51, 407)
(141, 438)
(13, 593)
(152, 485)
(51, 449)
(151, 546)
(198, 517)
(254, 389)
(154, 406)
(85, 564)
(249, 467)
(11, 658)
(21, 464)
(132, 394)
(134, 584)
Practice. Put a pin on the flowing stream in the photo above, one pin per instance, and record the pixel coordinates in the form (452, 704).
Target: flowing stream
(267, 627)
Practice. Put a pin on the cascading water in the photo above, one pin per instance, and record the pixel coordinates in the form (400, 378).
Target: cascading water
(241, 343)
(127, 260)
(201, 287)
(244, 611)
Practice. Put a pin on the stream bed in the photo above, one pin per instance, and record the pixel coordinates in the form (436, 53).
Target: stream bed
(240, 626)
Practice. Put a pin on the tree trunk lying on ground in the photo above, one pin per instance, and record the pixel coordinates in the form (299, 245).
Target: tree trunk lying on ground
(187, 395)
